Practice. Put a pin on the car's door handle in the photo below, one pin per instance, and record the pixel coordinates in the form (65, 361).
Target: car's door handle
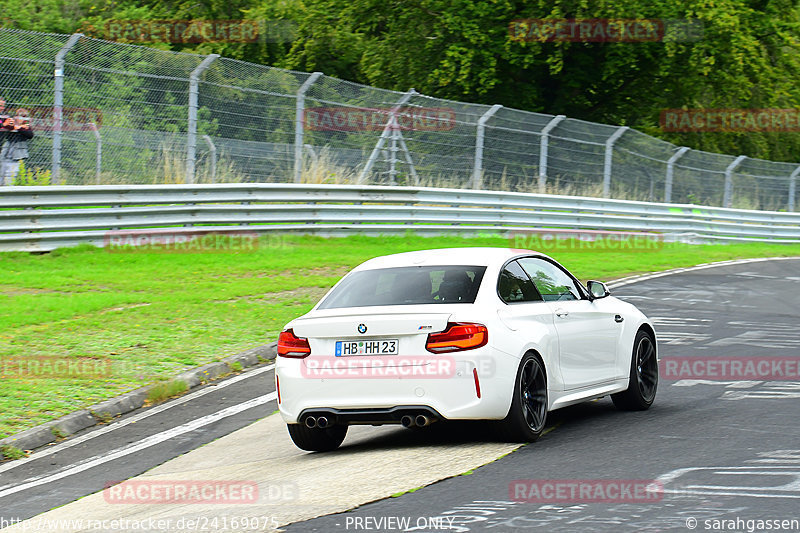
(561, 313)
(618, 318)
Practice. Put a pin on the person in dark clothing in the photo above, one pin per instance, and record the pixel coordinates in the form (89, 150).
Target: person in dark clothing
(3, 117)
(16, 132)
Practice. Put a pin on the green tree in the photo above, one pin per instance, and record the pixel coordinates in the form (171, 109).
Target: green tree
(462, 49)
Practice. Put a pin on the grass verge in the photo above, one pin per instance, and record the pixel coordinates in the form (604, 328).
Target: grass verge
(163, 391)
(147, 316)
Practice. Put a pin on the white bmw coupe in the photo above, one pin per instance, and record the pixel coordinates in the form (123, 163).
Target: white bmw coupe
(459, 334)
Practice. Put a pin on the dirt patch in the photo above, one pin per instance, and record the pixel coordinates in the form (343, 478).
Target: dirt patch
(19, 291)
(327, 271)
(124, 307)
(313, 293)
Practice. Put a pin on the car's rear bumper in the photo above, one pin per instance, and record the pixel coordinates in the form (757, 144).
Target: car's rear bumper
(387, 392)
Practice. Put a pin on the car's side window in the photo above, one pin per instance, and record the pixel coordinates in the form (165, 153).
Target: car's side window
(513, 285)
(552, 282)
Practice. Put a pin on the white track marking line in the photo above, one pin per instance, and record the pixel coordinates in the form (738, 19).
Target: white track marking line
(143, 444)
(644, 277)
(784, 491)
(135, 418)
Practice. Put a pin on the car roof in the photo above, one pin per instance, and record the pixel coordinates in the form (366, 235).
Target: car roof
(473, 256)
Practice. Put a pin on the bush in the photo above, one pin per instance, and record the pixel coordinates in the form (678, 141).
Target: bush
(30, 177)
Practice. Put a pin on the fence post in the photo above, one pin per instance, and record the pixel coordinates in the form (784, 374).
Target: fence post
(387, 131)
(477, 168)
(58, 102)
(213, 149)
(98, 163)
(792, 185)
(393, 155)
(191, 138)
(300, 106)
(670, 172)
(544, 143)
(728, 195)
(609, 155)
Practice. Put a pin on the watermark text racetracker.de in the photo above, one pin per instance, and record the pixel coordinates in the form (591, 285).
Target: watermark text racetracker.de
(730, 368)
(586, 490)
(586, 240)
(49, 118)
(376, 367)
(181, 492)
(363, 119)
(727, 120)
(605, 30)
(184, 31)
(52, 366)
(192, 241)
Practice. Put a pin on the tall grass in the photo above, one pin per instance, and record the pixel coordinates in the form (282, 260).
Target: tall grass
(322, 169)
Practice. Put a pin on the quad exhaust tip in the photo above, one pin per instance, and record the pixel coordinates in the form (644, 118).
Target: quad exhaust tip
(324, 420)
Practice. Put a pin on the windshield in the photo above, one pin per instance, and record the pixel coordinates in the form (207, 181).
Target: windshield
(407, 286)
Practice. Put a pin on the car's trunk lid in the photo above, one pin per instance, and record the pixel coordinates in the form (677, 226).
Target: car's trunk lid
(346, 324)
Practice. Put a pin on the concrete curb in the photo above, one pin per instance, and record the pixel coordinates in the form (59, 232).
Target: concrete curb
(102, 412)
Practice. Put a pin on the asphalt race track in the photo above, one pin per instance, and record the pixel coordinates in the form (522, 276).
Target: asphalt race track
(726, 452)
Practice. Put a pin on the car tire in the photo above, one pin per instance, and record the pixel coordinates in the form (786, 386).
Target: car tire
(317, 439)
(643, 382)
(527, 415)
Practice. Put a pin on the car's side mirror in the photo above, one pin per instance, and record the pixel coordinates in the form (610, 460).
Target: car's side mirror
(597, 289)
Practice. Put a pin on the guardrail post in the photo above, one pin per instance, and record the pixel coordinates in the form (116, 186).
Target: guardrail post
(213, 149)
(58, 102)
(387, 131)
(98, 163)
(477, 169)
(299, 123)
(544, 143)
(670, 171)
(191, 138)
(728, 197)
(609, 156)
(792, 185)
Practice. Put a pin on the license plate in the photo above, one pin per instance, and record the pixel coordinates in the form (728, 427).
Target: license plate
(367, 347)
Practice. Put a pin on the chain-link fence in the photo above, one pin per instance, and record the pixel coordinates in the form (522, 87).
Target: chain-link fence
(107, 113)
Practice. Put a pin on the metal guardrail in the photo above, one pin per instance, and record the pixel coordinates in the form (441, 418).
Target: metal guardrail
(45, 218)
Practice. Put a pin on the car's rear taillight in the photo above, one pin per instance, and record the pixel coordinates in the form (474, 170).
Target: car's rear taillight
(290, 345)
(458, 336)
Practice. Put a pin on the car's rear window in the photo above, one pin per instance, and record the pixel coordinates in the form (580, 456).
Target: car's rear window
(407, 286)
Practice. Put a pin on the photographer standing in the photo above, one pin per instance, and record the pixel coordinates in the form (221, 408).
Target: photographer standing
(3, 118)
(16, 133)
